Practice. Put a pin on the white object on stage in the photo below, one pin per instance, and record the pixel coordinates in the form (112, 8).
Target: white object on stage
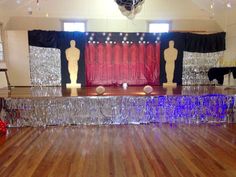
(100, 90)
(148, 89)
(125, 86)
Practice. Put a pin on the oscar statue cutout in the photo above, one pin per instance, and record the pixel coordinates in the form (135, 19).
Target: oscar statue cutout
(170, 55)
(73, 56)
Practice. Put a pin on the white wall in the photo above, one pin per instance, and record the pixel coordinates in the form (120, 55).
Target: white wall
(110, 25)
(3, 17)
(227, 21)
(3, 82)
(17, 57)
(230, 54)
(226, 18)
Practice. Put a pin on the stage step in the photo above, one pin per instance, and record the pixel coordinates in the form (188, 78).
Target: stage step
(96, 110)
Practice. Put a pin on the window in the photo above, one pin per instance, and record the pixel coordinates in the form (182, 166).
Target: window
(74, 26)
(1, 44)
(159, 27)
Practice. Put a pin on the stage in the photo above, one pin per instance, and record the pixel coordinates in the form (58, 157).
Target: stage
(43, 106)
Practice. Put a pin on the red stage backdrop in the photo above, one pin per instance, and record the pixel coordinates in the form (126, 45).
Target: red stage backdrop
(116, 58)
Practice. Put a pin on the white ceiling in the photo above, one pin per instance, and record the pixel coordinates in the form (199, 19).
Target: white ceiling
(104, 9)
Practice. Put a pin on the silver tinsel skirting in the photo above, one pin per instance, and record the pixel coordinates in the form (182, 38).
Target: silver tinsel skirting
(196, 67)
(45, 66)
(43, 111)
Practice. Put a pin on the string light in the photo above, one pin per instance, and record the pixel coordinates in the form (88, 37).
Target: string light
(226, 3)
(212, 5)
(30, 9)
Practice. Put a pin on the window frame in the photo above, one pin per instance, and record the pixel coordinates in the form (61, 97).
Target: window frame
(160, 22)
(74, 21)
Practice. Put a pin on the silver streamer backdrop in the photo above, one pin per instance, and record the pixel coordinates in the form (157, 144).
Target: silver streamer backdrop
(45, 66)
(196, 66)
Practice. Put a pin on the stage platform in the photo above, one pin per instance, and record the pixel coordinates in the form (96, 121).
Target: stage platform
(42, 106)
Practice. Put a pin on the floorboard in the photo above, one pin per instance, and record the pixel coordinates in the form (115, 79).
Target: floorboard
(121, 151)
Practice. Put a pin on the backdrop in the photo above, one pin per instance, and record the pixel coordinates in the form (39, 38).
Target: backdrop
(115, 58)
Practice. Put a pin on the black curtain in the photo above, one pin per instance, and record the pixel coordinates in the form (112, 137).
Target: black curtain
(205, 43)
(40, 38)
(179, 44)
(61, 40)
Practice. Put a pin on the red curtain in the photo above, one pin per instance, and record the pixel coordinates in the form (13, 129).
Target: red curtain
(114, 64)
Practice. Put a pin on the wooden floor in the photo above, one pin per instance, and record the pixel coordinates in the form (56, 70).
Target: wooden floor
(120, 151)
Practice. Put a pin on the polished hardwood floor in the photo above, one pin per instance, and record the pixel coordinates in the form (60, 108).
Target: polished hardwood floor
(120, 151)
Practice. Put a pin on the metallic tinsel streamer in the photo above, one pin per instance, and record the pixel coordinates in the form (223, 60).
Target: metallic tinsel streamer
(196, 67)
(189, 109)
(45, 66)
(46, 91)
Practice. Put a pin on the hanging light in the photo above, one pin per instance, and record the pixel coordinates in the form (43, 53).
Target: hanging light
(30, 9)
(212, 5)
(228, 4)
